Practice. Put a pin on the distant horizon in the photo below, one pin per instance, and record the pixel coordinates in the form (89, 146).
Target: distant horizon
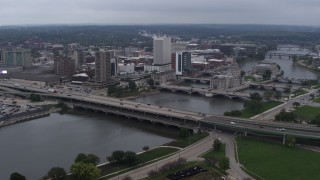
(152, 24)
(124, 12)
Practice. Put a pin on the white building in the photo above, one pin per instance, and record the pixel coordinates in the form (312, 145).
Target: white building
(264, 66)
(161, 51)
(126, 68)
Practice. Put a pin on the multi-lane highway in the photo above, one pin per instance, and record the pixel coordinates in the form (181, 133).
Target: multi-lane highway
(168, 114)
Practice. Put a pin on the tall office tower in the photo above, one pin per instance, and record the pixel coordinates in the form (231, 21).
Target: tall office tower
(64, 67)
(161, 51)
(16, 57)
(183, 62)
(103, 66)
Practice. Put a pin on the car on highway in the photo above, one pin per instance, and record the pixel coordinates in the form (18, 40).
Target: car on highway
(232, 122)
(280, 129)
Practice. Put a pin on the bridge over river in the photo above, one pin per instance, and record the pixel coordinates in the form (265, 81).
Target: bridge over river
(179, 118)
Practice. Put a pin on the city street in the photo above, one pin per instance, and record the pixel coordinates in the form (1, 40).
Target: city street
(192, 153)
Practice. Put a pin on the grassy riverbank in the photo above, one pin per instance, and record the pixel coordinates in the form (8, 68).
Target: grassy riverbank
(142, 159)
(153, 154)
(184, 142)
(274, 161)
(306, 113)
(248, 113)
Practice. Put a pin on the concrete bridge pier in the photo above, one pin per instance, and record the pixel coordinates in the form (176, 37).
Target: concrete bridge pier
(284, 139)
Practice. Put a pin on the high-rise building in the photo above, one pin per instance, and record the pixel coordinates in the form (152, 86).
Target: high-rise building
(16, 57)
(64, 67)
(103, 66)
(161, 51)
(183, 62)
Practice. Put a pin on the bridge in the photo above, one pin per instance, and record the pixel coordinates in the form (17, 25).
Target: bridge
(204, 91)
(279, 53)
(196, 79)
(272, 85)
(179, 118)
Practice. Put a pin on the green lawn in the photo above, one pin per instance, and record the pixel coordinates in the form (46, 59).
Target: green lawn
(316, 86)
(216, 154)
(143, 157)
(247, 113)
(317, 100)
(274, 161)
(306, 112)
(298, 93)
(184, 142)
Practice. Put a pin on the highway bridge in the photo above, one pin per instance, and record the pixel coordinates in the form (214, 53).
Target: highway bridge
(272, 85)
(204, 91)
(179, 118)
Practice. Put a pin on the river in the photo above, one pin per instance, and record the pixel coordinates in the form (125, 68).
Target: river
(291, 70)
(33, 147)
(213, 105)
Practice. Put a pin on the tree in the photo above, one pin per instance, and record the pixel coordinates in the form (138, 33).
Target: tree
(288, 89)
(267, 95)
(132, 85)
(277, 95)
(17, 176)
(35, 97)
(130, 157)
(255, 96)
(290, 140)
(285, 116)
(254, 105)
(296, 104)
(84, 171)
(111, 90)
(81, 157)
(312, 96)
(217, 144)
(224, 163)
(119, 91)
(150, 82)
(92, 158)
(316, 120)
(57, 173)
(117, 156)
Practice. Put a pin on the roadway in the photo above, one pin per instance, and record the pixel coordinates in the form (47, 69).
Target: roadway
(288, 106)
(204, 91)
(193, 153)
(190, 153)
(205, 120)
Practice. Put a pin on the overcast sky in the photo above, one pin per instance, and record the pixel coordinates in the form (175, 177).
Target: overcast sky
(291, 12)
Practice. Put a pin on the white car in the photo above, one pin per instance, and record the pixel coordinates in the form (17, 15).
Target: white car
(232, 122)
(280, 129)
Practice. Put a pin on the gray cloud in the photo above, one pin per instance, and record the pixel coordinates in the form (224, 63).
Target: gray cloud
(299, 12)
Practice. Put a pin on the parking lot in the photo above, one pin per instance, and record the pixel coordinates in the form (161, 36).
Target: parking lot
(186, 173)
